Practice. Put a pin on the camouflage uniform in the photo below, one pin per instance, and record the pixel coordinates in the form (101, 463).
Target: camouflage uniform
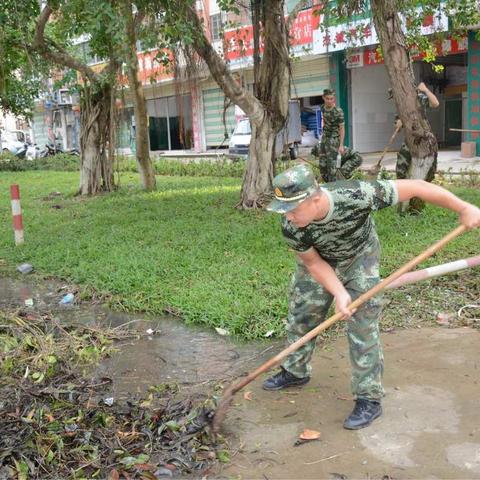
(347, 240)
(351, 160)
(404, 157)
(332, 119)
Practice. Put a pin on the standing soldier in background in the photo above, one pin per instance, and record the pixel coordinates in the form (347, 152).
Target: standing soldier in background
(404, 158)
(333, 135)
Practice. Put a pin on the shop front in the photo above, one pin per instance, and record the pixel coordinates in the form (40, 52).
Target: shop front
(373, 113)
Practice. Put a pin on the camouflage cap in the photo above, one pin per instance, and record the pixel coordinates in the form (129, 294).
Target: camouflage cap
(292, 187)
(328, 91)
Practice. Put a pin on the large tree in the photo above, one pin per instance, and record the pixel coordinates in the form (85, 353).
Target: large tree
(56, 25)
(21, 73)
(32, 30)
(267, 106)
(133, 16)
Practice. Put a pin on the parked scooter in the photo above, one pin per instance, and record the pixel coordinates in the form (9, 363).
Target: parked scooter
(52, 149)
(22, 151)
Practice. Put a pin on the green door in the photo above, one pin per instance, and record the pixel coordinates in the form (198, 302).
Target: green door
(453, 119)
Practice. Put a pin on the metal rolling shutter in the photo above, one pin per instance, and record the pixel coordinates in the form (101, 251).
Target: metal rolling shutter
(310, 78)
(213, 118)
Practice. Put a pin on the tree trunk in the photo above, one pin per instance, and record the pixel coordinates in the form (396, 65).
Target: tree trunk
(268, 108)
(144, 163)
(96, 165)
(257, 180)
(418, 134)
(272, 74)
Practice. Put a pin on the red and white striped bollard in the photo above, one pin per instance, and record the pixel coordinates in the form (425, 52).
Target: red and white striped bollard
(17, 214)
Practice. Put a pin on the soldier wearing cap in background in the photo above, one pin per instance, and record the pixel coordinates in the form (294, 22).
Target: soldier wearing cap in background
(338, 253)
(427, 99)
(333, 136)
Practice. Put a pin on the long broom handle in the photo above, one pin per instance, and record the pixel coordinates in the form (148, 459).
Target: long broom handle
(334, 318)
(389, 144)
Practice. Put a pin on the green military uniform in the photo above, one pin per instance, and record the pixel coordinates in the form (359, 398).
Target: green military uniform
(404, 157)
(330, 141)
(347, 240)
(351, 160)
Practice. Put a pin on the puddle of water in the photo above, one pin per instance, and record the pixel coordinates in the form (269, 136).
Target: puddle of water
(191, 357)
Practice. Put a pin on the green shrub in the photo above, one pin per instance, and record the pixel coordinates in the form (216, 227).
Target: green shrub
(62, 162)
(9, 162)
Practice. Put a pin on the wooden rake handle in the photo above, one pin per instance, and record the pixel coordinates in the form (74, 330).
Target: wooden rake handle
(334, 318)
(389, 144)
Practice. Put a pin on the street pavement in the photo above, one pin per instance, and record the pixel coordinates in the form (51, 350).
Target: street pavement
(448, 161)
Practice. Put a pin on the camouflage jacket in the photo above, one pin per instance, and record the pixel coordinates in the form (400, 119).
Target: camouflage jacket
(331, 120)
(348, 228)
(424, 103)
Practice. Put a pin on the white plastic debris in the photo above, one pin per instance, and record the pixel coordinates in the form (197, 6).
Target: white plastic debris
(25, 268)
(222, 331)
(67, 299)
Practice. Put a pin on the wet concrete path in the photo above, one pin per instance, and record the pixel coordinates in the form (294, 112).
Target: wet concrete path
(430, 428)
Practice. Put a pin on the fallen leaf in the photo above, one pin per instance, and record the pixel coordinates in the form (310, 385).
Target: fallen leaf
(309, 435)
(145, 467)
(222, 331)
(113, 475)
(205, 456)
(248, 396)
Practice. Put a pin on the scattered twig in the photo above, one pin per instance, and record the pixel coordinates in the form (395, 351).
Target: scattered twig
(325, 459)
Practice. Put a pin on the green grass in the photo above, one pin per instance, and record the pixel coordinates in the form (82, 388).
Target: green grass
(186, 249)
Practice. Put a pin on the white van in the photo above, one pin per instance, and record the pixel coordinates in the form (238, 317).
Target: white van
(290, 135)
(11, 141)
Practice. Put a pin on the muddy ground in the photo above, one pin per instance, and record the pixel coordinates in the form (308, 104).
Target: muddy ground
(430, 427)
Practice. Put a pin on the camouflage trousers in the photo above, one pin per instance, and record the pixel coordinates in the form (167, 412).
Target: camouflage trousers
(404, 162)
(351, 160)
(309, 303)
(328, 150)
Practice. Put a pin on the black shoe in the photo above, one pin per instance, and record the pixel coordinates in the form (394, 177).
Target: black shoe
(283, 379)
(364, 413)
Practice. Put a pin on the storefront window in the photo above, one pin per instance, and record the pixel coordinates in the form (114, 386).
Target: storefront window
(170, 123)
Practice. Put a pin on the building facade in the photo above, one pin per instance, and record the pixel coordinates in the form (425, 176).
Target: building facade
(195, 116)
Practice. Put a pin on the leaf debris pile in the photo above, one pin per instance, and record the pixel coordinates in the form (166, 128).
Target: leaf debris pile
(56, 422)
